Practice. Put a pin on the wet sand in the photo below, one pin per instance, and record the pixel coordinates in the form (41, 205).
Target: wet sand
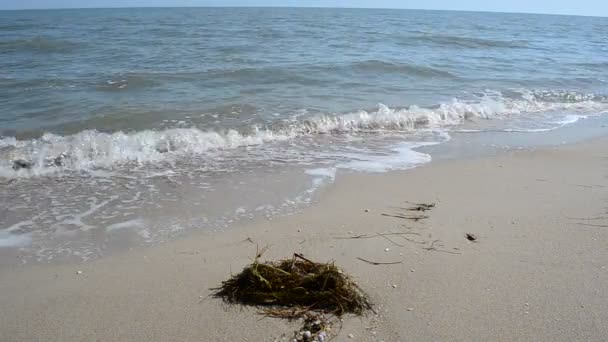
(538, 271)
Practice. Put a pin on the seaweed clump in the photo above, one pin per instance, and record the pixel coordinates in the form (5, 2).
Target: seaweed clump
(293, 288)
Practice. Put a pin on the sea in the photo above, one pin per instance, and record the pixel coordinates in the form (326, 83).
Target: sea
(132, 127)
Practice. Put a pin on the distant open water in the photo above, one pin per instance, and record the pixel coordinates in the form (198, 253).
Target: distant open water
(131, 126)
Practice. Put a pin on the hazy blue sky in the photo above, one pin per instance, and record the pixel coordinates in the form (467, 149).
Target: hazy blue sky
(582, 7)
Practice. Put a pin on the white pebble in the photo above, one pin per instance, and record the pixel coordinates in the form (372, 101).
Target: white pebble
(394, 286)
(387, 249)
(410, 309)
(351, 336)
(78, 272)
(306, 334)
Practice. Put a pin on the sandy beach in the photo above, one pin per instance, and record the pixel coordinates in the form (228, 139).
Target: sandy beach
(538, 271)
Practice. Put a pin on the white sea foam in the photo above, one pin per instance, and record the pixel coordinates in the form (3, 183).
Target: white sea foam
(405, 157)
(135, 223)
(567, 120)
(13, 240)
(321, 176)
(90, 149)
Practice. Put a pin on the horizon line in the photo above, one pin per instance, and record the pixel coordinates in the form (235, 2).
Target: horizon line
(305, 7)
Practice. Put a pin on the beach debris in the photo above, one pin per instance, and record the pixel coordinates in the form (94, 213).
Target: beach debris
(588, 218)
(414, 218)
(380, 263)
(21, 164)
(420, 206)
(295, 283)
(248, 239)
(351, 336)
(435, 244)
(384, 236)
(366, 236)
(387, 249)
(593, 225)
(296, 288)
(79, 272)
(316, 327)
(471, 237)
(410, 309)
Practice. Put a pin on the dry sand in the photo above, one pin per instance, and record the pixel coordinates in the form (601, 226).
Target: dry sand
(537, 273)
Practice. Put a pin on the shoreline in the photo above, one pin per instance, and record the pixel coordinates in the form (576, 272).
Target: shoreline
(296, 188)
(519, 204)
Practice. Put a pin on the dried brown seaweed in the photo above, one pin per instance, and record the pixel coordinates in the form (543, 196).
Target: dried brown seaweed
(289, 288)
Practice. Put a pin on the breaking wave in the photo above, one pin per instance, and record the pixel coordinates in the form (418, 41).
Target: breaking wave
(90, 149)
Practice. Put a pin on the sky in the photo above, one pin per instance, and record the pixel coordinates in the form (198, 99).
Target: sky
(580, 7)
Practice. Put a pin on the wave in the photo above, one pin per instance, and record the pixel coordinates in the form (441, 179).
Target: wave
(599, 65)
(37, 44)
(90, 149)
(464, 42)
(129, 81)
(305, 74)
(400, 68)
(269, 75)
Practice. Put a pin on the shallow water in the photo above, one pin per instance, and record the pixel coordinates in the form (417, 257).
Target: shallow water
(137, 125)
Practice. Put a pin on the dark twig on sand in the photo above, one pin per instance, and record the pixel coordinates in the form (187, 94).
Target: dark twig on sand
(366, 236)
(420, 206)
(588, 218)
(391, 241)
(593, 225)
(433, 248)
(380, 263)
(408, 217)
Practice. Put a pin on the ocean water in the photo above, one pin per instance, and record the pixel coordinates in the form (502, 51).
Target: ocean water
(135, 126)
